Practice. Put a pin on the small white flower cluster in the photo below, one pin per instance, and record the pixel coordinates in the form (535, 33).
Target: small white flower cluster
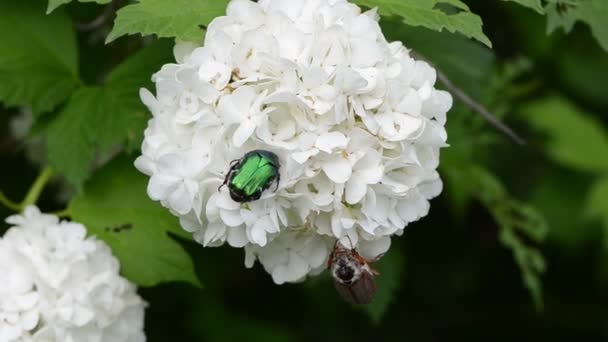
(356, 123)
(57, 285)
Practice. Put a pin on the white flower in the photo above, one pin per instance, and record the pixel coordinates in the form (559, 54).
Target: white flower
(292, 255)
(355, 122)
(59, 285)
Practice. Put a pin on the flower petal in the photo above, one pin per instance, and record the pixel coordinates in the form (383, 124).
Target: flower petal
(338, 169)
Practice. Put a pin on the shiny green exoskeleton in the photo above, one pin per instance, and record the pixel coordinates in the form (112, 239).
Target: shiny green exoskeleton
(249, 176)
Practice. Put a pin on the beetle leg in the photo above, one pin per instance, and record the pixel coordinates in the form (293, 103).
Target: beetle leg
(278, 181)
(378, 257)
(332, 255)
(352, 247)
(225, 180)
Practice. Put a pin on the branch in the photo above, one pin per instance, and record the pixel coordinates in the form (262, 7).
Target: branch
(101, 19)
(471, 103)
(8, 203)
(36, 189)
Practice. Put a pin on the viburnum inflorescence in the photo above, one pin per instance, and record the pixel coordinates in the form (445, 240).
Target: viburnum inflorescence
(59, 285)
(356, 124)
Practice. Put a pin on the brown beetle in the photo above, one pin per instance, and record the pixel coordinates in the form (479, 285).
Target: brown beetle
(353, 275)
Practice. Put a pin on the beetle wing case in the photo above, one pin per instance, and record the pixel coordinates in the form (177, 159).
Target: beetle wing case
(361, 291)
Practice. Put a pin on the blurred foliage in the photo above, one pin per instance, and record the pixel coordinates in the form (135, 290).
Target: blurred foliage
(536, 214)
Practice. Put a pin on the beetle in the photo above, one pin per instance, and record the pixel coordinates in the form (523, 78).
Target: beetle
(353, 276)
(249, 176)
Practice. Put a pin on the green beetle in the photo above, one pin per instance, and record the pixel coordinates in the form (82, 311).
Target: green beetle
(249, 176)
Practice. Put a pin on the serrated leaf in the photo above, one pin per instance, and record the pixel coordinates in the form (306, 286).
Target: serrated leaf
(115, 208)
(97, 119)
(53, 4)
(592, 12)
(69, 153)
(38, 56)
(179, 18)
(518, 222)
(575, 138)
(533, 4)
(521, 226)
(391, 268)
(432, 15)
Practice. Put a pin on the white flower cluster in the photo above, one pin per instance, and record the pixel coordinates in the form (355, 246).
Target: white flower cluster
(355, 121)
(57, 285)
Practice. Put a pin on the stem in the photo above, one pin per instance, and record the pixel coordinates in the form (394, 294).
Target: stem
(65, 213)
(8, 203)
(36, 189)
(474, 105)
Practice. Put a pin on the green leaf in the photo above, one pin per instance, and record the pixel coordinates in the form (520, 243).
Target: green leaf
(177, 18)
(391, 268)
(53, 4)
(518, 223)
(558, 195)
(38, 56)
(565, 14)
(597, 205)
(575, 138)
(521, 226)
(582, 67)
(100, 119)
(115, 208)
(533, 4)
(451, 15)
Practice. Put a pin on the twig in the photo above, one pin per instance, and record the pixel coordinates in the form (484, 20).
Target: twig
(65, 213)
(8, 203)
(101, 19)
(36, 189)
(471, 103)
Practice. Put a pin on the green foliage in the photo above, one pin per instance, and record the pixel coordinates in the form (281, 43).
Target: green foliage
(518, 222)
(581, 65)
(38, 56)
(115, 208)
(429, 13)
(391, 268)
(98, 119)
(558, 196)
(575, 139)
(533, 4)
(179, 18)
(53, 4)
(597, 205)
(565, 13)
